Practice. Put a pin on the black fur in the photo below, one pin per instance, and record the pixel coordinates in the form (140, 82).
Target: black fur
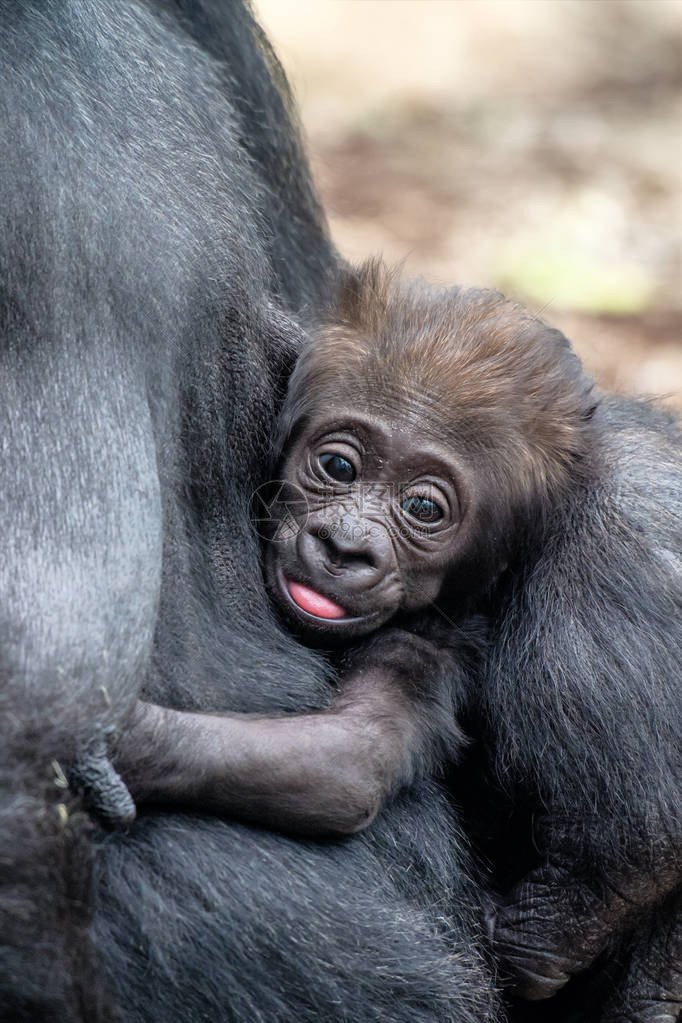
(159, 247)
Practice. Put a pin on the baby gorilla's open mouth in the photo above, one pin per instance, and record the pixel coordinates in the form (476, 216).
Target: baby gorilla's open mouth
(321, 618)
(314, 608)
(312, 602)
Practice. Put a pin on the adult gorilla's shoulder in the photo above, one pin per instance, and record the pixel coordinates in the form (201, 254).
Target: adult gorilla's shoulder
(159, 234)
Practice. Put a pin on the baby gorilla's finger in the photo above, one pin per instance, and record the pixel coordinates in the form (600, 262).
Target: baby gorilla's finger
(105, 795)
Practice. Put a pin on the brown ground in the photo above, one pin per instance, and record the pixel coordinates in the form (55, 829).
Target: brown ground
(530, 145)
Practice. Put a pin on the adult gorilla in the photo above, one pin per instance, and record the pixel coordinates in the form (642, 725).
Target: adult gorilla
(160, 250)
(158, 231)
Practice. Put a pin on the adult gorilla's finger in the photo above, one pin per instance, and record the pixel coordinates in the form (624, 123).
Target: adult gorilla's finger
(652, 992)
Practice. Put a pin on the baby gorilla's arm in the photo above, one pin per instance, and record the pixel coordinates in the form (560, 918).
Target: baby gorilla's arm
(328, 772)
(316, 773)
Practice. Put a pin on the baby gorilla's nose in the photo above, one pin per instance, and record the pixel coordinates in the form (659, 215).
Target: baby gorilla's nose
(346, 545)
(350, 549)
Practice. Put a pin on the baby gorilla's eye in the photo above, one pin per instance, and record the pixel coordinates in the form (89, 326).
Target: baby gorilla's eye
(337, 467)
(422, 508)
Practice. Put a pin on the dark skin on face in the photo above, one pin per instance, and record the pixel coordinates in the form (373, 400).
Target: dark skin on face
(376, 529)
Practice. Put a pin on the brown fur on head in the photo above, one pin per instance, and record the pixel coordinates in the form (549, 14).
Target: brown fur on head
(469, 366)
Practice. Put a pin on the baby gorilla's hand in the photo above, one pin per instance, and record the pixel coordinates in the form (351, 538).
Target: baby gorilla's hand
(104, 793)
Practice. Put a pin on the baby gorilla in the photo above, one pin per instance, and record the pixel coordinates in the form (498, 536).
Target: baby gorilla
(427, 436)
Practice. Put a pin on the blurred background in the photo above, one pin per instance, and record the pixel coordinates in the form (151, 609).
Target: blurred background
(529, 145)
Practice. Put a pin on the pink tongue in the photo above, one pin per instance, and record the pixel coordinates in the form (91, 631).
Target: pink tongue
(314, 603)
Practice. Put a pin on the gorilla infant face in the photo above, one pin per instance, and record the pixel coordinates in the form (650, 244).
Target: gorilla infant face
(427, 435)
(369, 522)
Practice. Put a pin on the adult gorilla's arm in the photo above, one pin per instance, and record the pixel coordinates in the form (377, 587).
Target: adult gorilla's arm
(80, 532)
